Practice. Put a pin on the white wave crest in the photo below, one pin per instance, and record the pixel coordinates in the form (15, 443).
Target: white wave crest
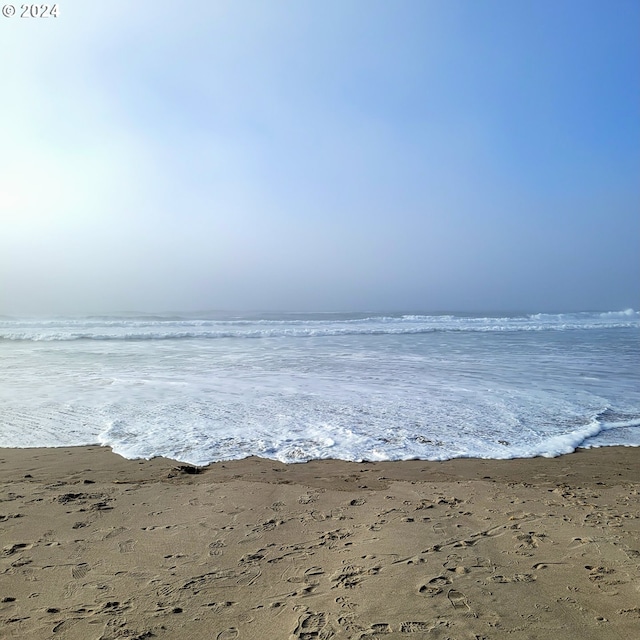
(58, 329)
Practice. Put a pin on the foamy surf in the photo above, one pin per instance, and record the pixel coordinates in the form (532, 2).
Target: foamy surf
(295, 387)
(52, 330)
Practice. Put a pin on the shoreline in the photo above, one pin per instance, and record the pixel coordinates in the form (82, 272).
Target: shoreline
(98, 546)
(609, 463)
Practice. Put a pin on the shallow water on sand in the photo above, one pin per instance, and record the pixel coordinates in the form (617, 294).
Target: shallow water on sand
(296, 387)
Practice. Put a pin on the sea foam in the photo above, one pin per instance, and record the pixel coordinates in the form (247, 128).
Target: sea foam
(295, 387)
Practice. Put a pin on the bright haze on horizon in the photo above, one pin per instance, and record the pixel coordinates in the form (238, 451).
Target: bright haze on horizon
(334, 155)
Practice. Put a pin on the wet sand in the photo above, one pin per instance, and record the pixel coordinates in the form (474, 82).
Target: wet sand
(96, 546)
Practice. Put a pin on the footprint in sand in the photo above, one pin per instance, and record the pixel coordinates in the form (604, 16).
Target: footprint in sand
(545, 565)
(70, 590)
(458, 600)
(603, 578)
(482, 563)
(215, 548)
(413, 627)
(14, 548)
(217, 607)
(310, 626)
(517, 577)
(126, 546)
(228, 634)
(596, 574)
(253, 536)
(434, 586)
(114, 532)
(351, 575)
(346, 604)
(453, 560)
(251, 558)
(277, 607)
(63, 625)
(80, 571)
(269, 525)
(248, 576)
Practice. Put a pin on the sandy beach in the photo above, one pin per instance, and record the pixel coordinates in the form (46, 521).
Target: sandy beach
(98, 547)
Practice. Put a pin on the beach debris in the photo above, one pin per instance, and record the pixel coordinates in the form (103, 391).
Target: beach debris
(187, 469)
(69, 497)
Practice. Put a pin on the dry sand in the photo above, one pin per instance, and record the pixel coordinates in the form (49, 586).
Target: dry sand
(95, 546)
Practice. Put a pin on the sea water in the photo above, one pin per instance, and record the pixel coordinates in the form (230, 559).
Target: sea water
(295, 387)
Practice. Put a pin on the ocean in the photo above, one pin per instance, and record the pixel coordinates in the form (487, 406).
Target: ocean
(300, 386)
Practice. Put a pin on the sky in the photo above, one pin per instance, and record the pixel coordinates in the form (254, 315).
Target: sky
(341, 155)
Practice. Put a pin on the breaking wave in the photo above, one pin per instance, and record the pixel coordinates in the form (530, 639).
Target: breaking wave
(157, 328)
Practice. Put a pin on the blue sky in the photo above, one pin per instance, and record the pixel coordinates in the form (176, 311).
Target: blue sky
(408, 155)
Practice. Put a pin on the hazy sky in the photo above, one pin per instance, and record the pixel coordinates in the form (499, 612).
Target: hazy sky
(321, 155)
